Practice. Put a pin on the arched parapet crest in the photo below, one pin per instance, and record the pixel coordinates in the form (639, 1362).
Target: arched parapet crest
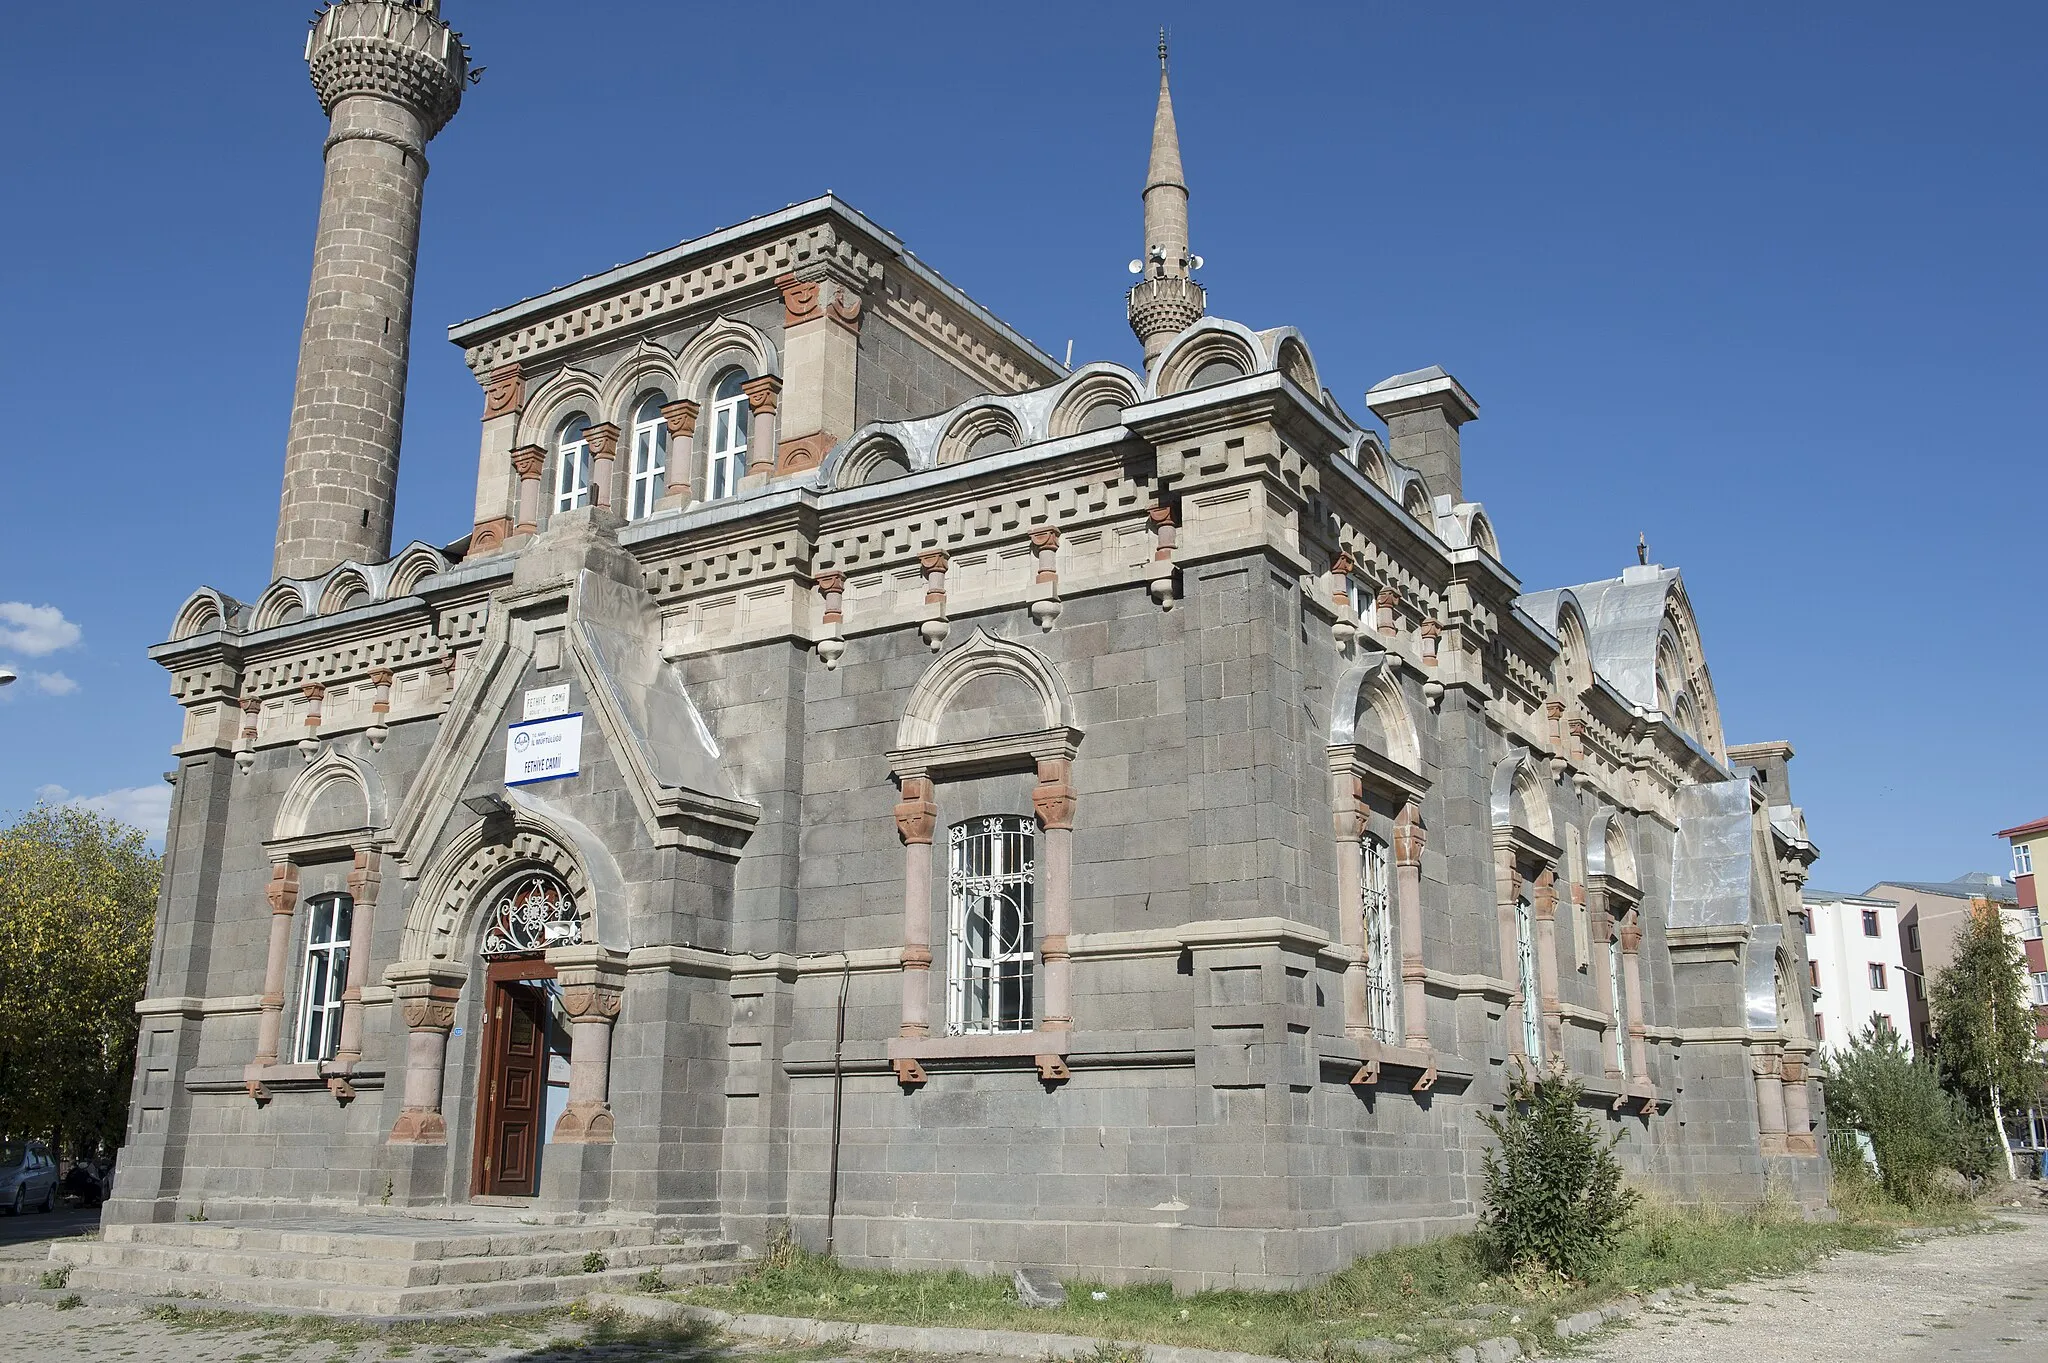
(346, 587)
(1370, 459)
(650, 366)
(1415, 499)
(985, 428)
(1574, 656)
(1199, 355)
(725, 343)
(570, 390)
(1290, 355)
(446, 913)
(1370, 712)
(336, 794)
(1093, 399)
(284, 602)
(1679, 639)
(1611, 850)
(873, 454)
(1518, 800)
(416, 563)
(207, 609)
(996, 665)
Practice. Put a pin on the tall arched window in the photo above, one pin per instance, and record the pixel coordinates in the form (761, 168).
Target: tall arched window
(731, 415)
(650, 457)
(1379, 942)
(572, 464)
(991, 886)
(1617, 1014)
(1532, 998)
(329, 920)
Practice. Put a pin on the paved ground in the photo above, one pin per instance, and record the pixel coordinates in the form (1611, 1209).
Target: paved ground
(1966, 1297)
(29, 1235)
(1952, 1297)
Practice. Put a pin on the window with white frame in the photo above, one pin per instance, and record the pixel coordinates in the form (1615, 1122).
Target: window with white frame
(1532, 1004)
(1617, 1017)
(329, 919)
(2022, 859)
(2030, 925)
(572, 464)
(2038, 989)
(991, 944)
(1379, 941)
(731, 417)
(650, 458)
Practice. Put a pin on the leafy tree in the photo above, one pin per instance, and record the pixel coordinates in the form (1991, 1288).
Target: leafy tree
(1554, 1198)
(1873, 1084)
(1983, 1028)
(77, 905)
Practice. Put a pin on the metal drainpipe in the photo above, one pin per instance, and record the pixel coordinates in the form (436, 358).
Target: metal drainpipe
(838, 1089)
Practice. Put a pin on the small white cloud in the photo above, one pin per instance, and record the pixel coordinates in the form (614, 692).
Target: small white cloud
(52, 794)
(146, 807)
(35, 630)
(53, 683)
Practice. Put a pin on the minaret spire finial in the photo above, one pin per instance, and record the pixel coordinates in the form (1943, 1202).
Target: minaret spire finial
(1166, 301)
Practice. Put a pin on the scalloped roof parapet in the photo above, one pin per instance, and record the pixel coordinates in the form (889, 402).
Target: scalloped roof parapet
(395, 578)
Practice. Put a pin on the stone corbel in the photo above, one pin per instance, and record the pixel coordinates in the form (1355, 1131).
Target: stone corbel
(681, 416)
(1161, 573)
(845, 308)
(1051, 1068)
(315, 694)
(1045, 589)
(832, 644)
(799, 300)
(603, 440)
(935, 627)
(909, 1073)
(380, 708)
(504, 390)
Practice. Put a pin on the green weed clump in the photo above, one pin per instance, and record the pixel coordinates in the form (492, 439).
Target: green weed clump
(1555, 1203)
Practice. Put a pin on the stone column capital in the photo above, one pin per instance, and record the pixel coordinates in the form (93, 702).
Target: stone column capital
(1543, 893)
(1053, 798)
(681, 416)
(382, 676)
(1048, 538)
(830, 584)
(283, 890)
(762, 393)
(313, 691)
(935, 562)
(603, 439)
(528, 461)
(251, 705)
(1410, 836)
(917, 813)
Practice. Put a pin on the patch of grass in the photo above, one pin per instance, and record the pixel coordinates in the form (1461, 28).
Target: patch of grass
(70, 1302)
(56, 1278)
(482, 1333)
(1433, 1296)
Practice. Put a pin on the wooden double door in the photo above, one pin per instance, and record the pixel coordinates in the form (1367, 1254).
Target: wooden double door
(512, 1079)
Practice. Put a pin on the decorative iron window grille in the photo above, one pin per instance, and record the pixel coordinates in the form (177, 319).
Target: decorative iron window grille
(535, 912)
(1379, 942)
(991, 886)
(329, 920)
(1532, 1004)
(1614, 1005)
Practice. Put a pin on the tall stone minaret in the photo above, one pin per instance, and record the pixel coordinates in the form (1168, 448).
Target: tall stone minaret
(389, 74)
(1167, 301)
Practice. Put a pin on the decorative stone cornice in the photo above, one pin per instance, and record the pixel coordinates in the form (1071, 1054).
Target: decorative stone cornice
(388, 50)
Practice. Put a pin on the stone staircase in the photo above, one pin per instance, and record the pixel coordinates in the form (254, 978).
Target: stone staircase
(385, 1266)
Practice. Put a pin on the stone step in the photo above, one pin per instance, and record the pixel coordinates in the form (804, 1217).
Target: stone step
(363, 1299)
(423, 1240)
(24, 1272)
(340, 1266)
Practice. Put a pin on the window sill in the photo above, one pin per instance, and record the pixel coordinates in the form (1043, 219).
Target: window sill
(979, 1045)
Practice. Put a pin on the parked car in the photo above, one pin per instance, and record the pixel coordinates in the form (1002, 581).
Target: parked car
(28, 1177)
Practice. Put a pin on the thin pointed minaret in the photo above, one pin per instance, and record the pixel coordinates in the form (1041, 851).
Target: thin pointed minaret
(1167, 300)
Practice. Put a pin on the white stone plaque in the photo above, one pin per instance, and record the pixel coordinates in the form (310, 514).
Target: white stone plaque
(543, 749)
(547, 702)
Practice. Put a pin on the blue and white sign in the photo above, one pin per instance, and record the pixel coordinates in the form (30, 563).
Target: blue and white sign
(543, 749)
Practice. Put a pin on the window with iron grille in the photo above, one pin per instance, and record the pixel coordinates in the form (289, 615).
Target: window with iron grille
(329, 920)
(1379, 941)
(991, 942)
(1615, 966)
(1532, 1004)
(533, 913)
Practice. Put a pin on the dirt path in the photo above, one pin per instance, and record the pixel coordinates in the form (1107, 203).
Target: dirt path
(1952, 1297)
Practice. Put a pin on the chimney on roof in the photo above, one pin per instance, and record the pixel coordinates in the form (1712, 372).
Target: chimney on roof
(1423, 412)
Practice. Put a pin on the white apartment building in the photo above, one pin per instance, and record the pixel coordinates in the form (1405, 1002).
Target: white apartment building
(1855, 964)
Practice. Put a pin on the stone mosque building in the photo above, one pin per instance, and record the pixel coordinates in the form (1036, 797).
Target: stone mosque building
(857, 773)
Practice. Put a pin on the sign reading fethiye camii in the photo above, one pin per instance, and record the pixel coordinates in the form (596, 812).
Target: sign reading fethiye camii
(547, 744)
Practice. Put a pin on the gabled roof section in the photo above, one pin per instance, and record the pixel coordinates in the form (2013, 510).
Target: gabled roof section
(1971, 885)
(2037, 826)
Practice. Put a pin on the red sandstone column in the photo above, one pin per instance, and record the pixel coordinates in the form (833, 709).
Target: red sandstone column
(916, 816)
(283, 893)
(1053, 801)
(603, 440)
(527, 462)
(1410, 838)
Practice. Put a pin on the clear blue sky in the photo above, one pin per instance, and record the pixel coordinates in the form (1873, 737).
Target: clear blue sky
(1761, 281)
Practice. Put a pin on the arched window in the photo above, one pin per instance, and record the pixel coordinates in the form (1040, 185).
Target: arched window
(731, 415)
(329, 920)
(534, 912)
(650, 457)
(992, 951)
(1379, 942)
(572, 464)
(1617, 1015)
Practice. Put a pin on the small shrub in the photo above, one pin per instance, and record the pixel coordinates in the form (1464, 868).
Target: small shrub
(1872, 1084)
(1554, 1200)
(652, 1281)
(70, 1302)
(595, 1262)
(57, 1277)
